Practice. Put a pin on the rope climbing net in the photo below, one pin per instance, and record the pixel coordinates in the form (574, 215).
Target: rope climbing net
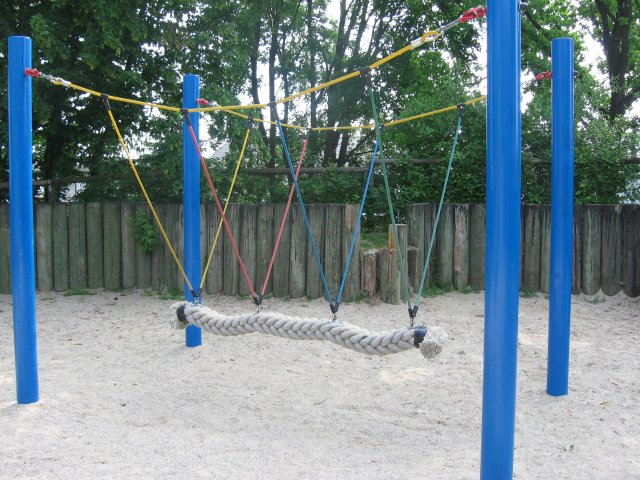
(344, 334)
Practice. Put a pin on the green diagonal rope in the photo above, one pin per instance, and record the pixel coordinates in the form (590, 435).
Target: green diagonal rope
(435, 226)
(405, 283)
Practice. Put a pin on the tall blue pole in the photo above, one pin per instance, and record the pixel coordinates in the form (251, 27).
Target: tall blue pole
(561, 216)
(503, 239)
(23, 282)
(191, 201)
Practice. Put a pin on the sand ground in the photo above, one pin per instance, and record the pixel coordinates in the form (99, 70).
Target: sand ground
(122, 397)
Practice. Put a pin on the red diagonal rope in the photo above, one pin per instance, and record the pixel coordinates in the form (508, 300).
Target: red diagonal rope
(220, 209)
(284, 219)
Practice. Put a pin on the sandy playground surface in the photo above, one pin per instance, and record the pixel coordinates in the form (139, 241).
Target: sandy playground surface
(122, 397)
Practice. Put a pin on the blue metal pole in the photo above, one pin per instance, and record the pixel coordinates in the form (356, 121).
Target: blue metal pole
(191, 202)
(503, 239)
(23, 282)
(561, 216)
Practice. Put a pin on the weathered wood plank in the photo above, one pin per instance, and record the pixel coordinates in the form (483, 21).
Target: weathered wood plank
(332, 247)
(370, 272)
(461, 247)
(531, 243)
(445, 246)
(248, 246)
(315, 214)
(112, 228)
(591, 248)
(60, 247)
(416, 232)
(157, 256)
(477, 245)
(77, 246)
(143, 259)
(545, 247)
(177, 239)
(128, 216)
(576, 280)
(429, 227)
(95, 247)
(298, 255)
(611, 264)
(5, 250)
(281, 265)
(401, 256)
(349, 222)
(215, 275)
(264, 248)
(631, 250)
(231, 266)
(389, 277)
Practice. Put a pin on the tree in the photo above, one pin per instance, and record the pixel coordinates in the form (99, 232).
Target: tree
(617, 29)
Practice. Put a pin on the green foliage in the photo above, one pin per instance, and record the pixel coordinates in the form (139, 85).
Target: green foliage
(144, 232)
(140, 49)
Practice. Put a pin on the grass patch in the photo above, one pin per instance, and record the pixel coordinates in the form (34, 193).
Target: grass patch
(372, 240)
(77, 291)
(434, 291)
(528, 294)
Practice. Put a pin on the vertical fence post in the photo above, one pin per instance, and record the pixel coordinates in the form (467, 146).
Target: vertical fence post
(502, 240)
(191, 201)
(561, 216)
(23, 280)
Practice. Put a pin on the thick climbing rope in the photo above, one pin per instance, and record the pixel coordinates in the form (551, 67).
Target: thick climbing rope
(223, 217)
(427, 260)
(107, 106)
(283, 221)
(226, 204)
(429, 340)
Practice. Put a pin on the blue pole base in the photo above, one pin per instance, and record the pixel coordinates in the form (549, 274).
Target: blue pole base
(193, 336)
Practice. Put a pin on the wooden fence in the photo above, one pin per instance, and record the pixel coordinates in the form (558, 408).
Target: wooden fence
(91, 245)
(606, 249)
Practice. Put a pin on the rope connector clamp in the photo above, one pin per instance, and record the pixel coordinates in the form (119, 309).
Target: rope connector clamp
(185, 114)
(473, 13)
(334, 309)
(32, 72)
(366, 73)
(307, 136)
(461, 109)
(105, 101)
(249, 122)
(202, 102)
(418, 335)
(413, 311)
(543, 76)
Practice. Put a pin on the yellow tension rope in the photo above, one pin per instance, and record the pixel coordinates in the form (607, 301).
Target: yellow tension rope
(226, 205)
(144, 192)
(428, 36)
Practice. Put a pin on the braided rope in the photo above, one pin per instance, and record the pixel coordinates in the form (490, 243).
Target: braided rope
(430, 341)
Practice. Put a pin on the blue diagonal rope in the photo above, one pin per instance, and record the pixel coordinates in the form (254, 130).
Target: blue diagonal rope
(285, 148)
(435, 225)
(357, 230)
